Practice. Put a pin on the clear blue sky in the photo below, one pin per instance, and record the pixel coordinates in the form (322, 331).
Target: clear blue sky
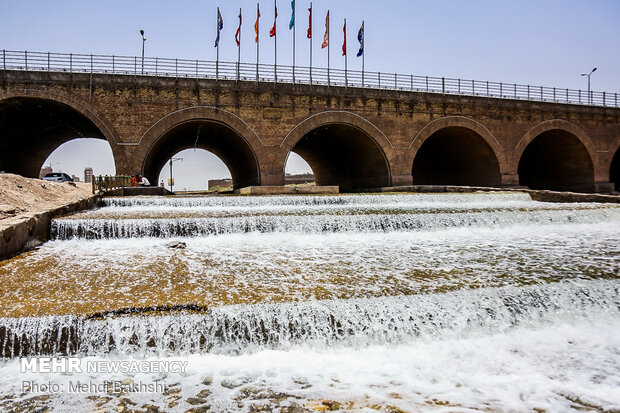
(537, 42)
(548, 42)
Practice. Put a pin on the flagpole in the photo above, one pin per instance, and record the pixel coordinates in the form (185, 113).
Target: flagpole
(311, 35)
(257, 39)
(275, 42)
(217, 53)
(346, 73)
(363, 51)
(239, 46)
(294, 28)
(328, 49)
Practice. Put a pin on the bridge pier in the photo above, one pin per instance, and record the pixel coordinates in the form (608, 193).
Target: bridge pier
(510, 179)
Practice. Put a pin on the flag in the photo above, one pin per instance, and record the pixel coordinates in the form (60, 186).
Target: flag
(238, 34)
(272, 32)
(310, 23)
(360, 38)
(292, 22)
(326, 38)
(344, 45)
(220, 26)
(256, 24)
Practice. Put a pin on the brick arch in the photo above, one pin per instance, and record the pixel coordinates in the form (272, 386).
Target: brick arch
(335, 117)
(84, 108)
(557, 155)
(607, 158)
(44, 120)
(458, 122)
(341, 164)
(555, 124)
(235, 131)
(197, 113)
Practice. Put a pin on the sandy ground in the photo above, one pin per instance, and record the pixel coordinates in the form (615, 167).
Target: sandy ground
(23, 196)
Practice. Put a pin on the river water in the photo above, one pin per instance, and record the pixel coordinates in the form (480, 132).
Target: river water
(432, 302)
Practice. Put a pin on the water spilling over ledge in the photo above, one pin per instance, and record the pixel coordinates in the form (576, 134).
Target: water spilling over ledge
(352, 214)
(356, 322)
(489, 302)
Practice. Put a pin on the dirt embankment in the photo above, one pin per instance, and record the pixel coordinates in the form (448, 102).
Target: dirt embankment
(21, 196)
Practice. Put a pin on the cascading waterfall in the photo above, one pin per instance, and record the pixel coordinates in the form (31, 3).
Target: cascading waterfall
(483, 301)
(242, 328)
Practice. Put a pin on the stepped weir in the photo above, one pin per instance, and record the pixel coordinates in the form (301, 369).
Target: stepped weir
(481, 301)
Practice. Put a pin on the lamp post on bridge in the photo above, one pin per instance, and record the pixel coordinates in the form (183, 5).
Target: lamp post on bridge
(143, 40)
(171, 181)
(589, 74)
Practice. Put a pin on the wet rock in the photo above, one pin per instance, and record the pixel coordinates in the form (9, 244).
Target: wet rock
(324, 405)
(176, 245)
(150, 408)
(172, 398)
(204, 394)
(294, 408)
(233, 384)
(201, 409)
(195, 401)
(170, 392)
(99, 400)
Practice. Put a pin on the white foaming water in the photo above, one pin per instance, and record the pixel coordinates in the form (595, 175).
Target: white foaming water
(357, 322)
(563, 367)
(306, 200)
(439, 302)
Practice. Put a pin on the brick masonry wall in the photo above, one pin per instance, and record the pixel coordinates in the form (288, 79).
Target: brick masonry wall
(133, 112)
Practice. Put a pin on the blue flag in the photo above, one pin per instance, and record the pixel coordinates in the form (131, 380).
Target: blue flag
(292, 22)
(220, 26)
(360, 38)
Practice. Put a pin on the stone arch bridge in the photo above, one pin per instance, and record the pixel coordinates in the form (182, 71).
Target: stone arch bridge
(359, 139)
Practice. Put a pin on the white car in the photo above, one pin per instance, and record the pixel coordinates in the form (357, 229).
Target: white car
(57, 177)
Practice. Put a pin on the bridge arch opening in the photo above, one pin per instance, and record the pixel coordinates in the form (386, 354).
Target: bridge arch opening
(343, 155)
(456, 156)
(196, 170)
(297, 171)
(74, 156)
(614, 171)
(35, 131)
(556, 160)
(213, 136)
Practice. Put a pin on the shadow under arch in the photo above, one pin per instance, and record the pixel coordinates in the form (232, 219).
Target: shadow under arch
(456, 150)
(216, 130)
(342, 149)
(556, 155)
(211, 135)
(33, 125)
(614, 170)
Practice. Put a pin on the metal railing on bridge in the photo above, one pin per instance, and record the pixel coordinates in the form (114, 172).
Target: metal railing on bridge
(206, 69)
(108, 183)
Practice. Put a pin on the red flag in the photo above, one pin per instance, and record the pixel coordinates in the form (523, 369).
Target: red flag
(344, 45)
(326, 38)
(238, 34)
(256, 24)
(310, 23)
(272, 32)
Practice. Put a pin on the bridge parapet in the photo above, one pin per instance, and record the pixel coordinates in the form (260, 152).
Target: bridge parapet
(207, 69)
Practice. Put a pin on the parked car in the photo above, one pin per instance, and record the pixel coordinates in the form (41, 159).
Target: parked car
(57, 177)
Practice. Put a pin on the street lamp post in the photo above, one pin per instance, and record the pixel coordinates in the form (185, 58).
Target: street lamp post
(143, 40)
(589, 94)
(171, 182)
